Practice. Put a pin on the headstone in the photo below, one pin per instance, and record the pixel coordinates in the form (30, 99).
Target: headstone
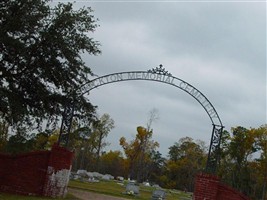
(158, 194)
(132, 189)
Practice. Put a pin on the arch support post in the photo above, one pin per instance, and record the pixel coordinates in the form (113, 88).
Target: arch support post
(67, 117)
(214, 149)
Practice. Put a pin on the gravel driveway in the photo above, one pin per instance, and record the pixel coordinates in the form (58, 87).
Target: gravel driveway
(85, 195)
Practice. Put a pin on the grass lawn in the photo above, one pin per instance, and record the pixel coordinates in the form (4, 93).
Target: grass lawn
(112, 188)
(115, 189)
(5, 196)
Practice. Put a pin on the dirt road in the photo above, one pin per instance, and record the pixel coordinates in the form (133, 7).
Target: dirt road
(85, 195)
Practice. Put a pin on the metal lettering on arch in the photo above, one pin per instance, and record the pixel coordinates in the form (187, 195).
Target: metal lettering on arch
(158, 74)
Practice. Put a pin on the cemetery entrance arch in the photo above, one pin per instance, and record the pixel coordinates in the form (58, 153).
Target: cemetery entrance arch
(158, 74)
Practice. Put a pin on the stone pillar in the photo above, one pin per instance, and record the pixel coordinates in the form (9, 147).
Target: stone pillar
(58, 171)
(206, 187)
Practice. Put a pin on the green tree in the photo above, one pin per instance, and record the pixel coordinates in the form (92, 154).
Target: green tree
(79, 142)
(261, 163)
(101, 129)
(242, 147)
(89, 142)
(40, 59)
(244, 164)
(20, 142)
(226, 165)
(187, 158)
(154, 168)
(40, 141)
(3, 134)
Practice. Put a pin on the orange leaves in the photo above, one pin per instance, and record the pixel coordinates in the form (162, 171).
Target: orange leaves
(138, 150)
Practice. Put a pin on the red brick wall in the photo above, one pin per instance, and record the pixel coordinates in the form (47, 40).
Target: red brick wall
(30, 173)
(226, 192)
(25, 173)
(59, 168)
(206, 187)
(209, 187)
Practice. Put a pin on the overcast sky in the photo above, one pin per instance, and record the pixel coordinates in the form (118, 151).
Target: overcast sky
(218, 47)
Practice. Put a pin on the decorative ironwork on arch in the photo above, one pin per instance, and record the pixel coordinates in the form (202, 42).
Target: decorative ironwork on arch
(158, 74)
(160, 70)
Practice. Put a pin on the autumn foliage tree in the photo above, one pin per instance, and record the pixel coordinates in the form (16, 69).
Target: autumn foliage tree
(112, 162)
(138, 153)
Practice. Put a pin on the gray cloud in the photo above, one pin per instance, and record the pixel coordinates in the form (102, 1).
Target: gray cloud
(220, 48)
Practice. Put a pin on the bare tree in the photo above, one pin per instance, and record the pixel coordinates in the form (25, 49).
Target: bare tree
(153, 117)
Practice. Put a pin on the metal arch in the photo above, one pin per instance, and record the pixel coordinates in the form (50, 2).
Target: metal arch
(158, 77)
(158, 74)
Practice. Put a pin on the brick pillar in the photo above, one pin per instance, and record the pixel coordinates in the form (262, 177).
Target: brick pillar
(58, 171)
(206, 187)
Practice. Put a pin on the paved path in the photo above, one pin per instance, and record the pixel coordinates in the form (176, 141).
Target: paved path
(85, 195)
